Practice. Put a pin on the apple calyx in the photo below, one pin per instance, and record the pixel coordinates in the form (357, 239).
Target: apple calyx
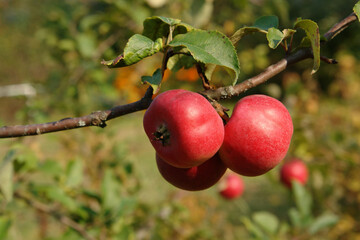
(162, 134)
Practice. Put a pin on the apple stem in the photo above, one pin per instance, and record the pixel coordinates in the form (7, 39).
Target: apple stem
(221, 110)
(205, 81)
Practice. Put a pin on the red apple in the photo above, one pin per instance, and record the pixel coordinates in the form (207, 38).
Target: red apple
(293, 170)
(257, 136)
(232, 186)
(195, 178)
(184, 128)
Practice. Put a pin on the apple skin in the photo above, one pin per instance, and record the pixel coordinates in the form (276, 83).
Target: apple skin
(257, 136)
(293, 170)
(232, 187)
(195, 178)
(184, 128)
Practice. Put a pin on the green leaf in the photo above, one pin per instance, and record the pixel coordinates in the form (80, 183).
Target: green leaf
(266, 22)
(51, 168)
(5, 224)
(25, 162)
(261, 24)
(242, 32)
(201, 12)
(209, 70)
(274, 37)
(357, 10)
(74, 173)
(267, 221)
(57, 194)
(284, 228)
(159, 27)
(137, 48)
(302, 199)
(179, 61)
(210, 47)
(312, 32)
(295, 217)
(91, 194)
(126, 232)
(6, 181)
(86, 44)
(70, 234)
(9, 157)
(323, 221)
(253, 229)
(6, 176)
(154, 81)
(288, 32)
(110, 191)
(134, 11)
(126, 206)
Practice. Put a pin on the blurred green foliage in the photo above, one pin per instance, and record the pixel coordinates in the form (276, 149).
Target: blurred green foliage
(105, 181)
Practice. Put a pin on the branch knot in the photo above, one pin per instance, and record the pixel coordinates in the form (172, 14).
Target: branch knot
(99, 118)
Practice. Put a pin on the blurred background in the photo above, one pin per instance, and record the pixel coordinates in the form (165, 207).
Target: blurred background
(105, 181)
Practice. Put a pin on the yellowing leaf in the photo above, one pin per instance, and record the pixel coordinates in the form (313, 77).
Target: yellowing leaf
(357, 10)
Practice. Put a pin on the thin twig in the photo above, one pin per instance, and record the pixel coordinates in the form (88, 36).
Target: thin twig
(328, 60)
(340, 26)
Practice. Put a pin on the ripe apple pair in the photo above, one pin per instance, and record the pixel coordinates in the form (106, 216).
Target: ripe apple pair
(186, 132)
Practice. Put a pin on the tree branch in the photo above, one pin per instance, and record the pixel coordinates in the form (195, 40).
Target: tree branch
(269, 72)
(99, 118)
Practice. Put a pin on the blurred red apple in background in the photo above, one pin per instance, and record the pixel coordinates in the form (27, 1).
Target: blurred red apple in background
(232, 186)
(296, 170)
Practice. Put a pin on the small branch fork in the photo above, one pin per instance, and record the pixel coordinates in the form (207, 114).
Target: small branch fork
(99, 118)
